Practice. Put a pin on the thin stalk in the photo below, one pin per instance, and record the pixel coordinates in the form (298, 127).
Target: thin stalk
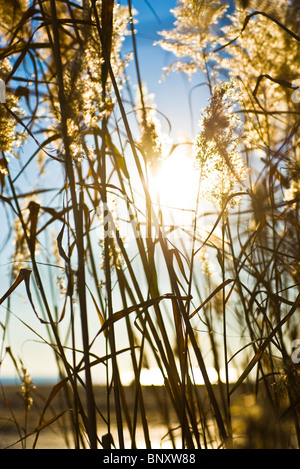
(44, 299)
(165, 252)
(77, 212)
(191, 334)
(228, 413)
(107, 230)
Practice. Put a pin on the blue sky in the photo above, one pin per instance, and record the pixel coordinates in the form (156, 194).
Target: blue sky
(171, 94)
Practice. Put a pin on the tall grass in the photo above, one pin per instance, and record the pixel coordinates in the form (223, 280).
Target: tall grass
(221, 293)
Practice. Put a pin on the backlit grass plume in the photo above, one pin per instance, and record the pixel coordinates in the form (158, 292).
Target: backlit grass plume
(216, 147)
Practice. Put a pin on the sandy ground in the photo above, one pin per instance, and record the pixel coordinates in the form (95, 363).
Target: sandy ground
(15, 422)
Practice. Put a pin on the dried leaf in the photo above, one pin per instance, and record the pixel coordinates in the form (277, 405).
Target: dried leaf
(32, 221)
(180, 263)
(60, 247)
(101, 318)
(24, 275)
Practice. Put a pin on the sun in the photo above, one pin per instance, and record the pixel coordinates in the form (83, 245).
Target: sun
(174, 186)
(174, 190)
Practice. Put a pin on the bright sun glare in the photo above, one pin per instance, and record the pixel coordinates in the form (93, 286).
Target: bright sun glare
(174, 190)
(154, 377)
(175, 184)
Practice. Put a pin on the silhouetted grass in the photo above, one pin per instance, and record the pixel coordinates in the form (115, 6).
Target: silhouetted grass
(223, 294)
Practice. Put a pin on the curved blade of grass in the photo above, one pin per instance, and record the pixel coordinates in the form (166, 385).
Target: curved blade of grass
(262, 348)
(40, 427)
(61, 384)
(24, 275)
(220, 287)
(144, 305)
(247, 19)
